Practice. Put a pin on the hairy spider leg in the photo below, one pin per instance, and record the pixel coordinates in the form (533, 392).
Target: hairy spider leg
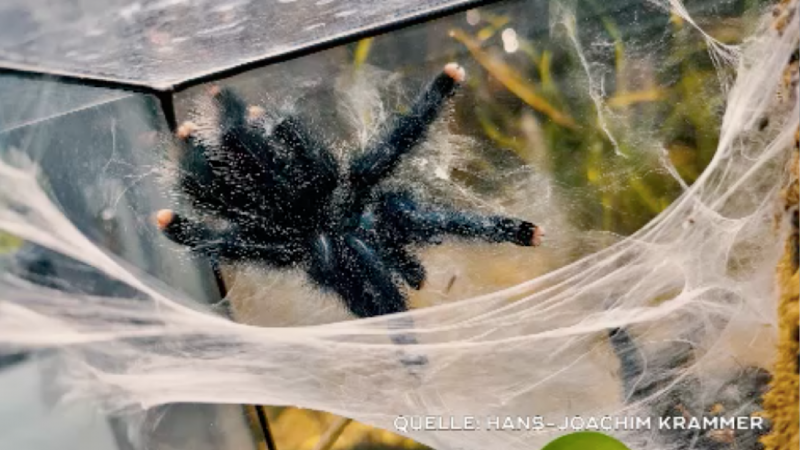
(415, 224)
(405, 264)
(312, 169)
(270, 188)
(348, 266)
(252, 175)
(740, 396)
(206, 190)
(404, 132)
(203, 177)
(631, 363)
(351, 268)
(309, 150)
(385, 296)
(291, 171)
(398, 259)
(224, 177)
(637, 383)
(196, 178)
(228, 243)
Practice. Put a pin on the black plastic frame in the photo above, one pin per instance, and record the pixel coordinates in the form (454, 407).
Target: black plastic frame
(166, 98)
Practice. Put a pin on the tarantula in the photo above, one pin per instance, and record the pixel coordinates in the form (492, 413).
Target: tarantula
(740, 396)
(286, 201)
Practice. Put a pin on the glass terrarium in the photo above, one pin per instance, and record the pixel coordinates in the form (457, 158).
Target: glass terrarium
(588, 119)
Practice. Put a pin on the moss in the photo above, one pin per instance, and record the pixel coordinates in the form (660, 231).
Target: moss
(781, 402)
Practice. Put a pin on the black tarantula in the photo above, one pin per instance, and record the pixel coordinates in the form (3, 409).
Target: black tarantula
(287, 202)
(655, 382)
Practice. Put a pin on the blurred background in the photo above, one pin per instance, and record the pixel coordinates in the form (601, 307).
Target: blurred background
(589, 124)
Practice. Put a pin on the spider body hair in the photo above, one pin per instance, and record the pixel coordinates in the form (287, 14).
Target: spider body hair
(286, 201)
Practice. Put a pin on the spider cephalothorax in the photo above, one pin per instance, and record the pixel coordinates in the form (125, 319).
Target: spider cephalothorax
(287, 202)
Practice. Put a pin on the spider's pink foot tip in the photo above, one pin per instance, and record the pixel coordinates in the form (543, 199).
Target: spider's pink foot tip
(164, 218)
(185, 130)
(456, 72)
(538, 234)
(214, 90)
(255, 112)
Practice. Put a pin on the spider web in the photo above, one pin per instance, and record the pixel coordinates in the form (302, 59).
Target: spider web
(697, 280)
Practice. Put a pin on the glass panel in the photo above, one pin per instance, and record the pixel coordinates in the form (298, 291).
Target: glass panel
(26, 102)
(164, 42)
(99, 153)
